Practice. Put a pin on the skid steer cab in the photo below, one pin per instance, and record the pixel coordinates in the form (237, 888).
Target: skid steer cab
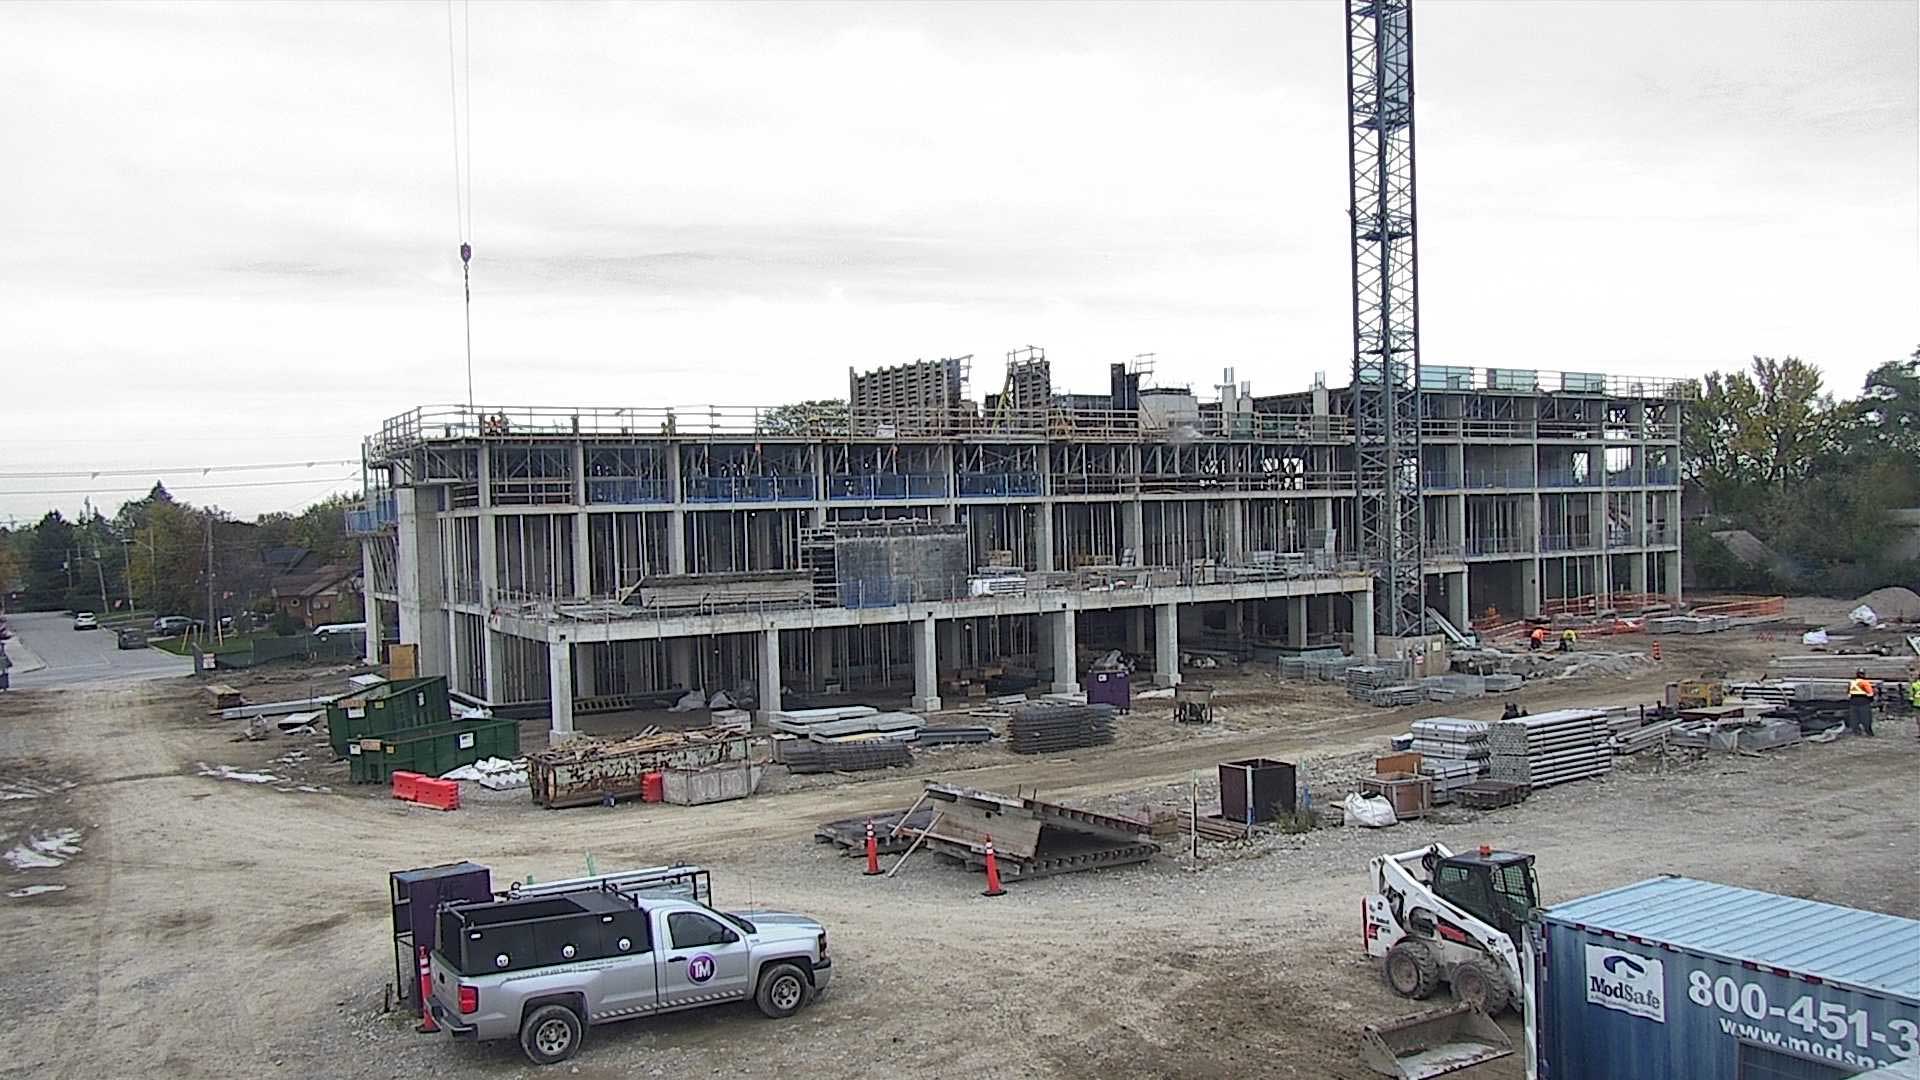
(1435, 916)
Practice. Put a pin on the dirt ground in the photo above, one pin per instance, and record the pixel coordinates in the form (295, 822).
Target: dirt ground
(214, 926)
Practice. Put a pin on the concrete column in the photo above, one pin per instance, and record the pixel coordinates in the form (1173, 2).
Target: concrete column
(368, 605)
(1670, 564)
(1457, 611)
(1236, 618)
(1166, 645)
(769, 658)
(490, 661)
(1297, 621)
(1603, 578)
(821, 640)
(680, 663)
(1136, 630)
(560, 690)
(676, 517)
(1043, 535)
(586, 672)
(926, 687)
(422, 580)
(1235, 541)
(1637, 571)
(951, 643)
(1066, 671)
(1132, 533)
(582, 556)
(1530, 587)
(676, 541)
(1362, 623)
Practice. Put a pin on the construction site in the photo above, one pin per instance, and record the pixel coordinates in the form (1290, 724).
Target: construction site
(973, 724)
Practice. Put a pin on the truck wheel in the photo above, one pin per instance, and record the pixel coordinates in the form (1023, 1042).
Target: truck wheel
(550, 1034)
(1410, 969)
(783, 989)
(1476, 983)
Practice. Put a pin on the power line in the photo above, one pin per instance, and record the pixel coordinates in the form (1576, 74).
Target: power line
(90, 474)
(195, 487)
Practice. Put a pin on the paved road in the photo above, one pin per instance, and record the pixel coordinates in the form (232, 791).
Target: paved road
(76, 658)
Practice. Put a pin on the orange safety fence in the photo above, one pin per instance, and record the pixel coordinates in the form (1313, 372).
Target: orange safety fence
(1744, 607)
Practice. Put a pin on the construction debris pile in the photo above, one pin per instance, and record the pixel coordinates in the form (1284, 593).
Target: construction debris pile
(1045, 728)
(1550, 748)
(586, 771)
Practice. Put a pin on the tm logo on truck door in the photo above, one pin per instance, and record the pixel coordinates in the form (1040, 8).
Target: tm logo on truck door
(1628, 982)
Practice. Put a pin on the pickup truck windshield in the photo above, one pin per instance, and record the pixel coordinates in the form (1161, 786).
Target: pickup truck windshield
(739, 923)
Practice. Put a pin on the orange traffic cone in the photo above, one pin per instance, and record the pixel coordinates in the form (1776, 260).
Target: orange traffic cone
(993, 873)
(427, 1026)
(873, 851)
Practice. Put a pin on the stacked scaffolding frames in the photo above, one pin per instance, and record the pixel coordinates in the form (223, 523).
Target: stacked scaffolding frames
(1386, 337)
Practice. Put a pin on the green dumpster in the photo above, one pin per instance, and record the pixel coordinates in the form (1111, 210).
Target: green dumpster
(387, 709)
(432, 750)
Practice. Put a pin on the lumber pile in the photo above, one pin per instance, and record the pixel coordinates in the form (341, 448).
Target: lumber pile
(1550, 748)
(1046, 728)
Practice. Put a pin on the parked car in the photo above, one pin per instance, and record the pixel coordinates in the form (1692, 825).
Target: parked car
(131, 637)
(85, 620)
(540, 969)
(172, 625)
(330, 629)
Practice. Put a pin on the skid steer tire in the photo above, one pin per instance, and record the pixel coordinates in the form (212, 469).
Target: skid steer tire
(1411, 970)
(1477, 983)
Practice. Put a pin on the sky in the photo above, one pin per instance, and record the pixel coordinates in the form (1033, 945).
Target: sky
(229, 232)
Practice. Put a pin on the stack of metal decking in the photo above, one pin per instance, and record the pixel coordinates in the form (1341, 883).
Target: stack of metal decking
(1450, 775)
(1550, 748)
(1447, 737)
(1043, 729)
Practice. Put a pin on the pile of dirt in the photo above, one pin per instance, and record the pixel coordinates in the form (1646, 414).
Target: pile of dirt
(1893, 604)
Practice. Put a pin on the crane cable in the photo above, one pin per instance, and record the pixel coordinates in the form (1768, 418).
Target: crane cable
(460, 68)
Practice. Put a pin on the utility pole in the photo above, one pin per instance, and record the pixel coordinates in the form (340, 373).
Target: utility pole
(100, 573)
(126, 553)
(211, 621)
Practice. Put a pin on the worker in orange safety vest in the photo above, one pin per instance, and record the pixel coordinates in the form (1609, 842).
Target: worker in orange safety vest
(1860, 704)
(1537, 639)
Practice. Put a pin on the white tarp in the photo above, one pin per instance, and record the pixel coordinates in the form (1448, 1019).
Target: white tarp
(1864, 615)
(1814, 637)
(689, 701)
(494, 774)
(1372, 811)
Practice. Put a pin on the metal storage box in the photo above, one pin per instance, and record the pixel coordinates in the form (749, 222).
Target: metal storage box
(536, 931)
(432, 750)
(1113, 688)
(1680, 978)
(385, 709)
(416, 896)
(1257, 789)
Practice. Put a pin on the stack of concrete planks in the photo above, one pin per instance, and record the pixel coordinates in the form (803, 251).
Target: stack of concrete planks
(1453, 687)
(1501, 682)
(1448, 737)
(1046, 728)
(1689, 624)
(1550, 748)
(1842, 666)
(898, 726)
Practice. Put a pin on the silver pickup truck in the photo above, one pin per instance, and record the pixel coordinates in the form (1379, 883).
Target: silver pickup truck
(543, 968)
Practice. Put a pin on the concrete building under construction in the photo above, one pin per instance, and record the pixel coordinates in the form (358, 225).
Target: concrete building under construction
(909, 541)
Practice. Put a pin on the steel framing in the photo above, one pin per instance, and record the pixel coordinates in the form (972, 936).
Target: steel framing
(1386, 306)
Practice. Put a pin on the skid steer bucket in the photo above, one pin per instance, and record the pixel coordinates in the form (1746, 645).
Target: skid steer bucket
(1433, 1043)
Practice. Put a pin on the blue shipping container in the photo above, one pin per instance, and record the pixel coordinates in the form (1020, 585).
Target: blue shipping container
(1676, 979)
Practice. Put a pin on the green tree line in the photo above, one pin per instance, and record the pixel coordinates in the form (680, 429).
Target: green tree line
(155, 553)
(1815, 478)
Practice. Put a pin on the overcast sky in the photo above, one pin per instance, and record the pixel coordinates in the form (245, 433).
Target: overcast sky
(228, 231)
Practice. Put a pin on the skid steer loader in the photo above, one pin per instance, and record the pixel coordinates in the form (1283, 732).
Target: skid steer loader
(1435, 917)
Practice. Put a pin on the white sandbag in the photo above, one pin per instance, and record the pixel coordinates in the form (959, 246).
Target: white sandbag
(1372, 811)
(689, 701)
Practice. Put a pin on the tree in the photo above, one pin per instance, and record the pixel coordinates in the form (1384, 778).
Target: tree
(47, 574)
(802, 417)
(1788, 423)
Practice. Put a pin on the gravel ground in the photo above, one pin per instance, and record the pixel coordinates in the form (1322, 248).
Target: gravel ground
(215, 927)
